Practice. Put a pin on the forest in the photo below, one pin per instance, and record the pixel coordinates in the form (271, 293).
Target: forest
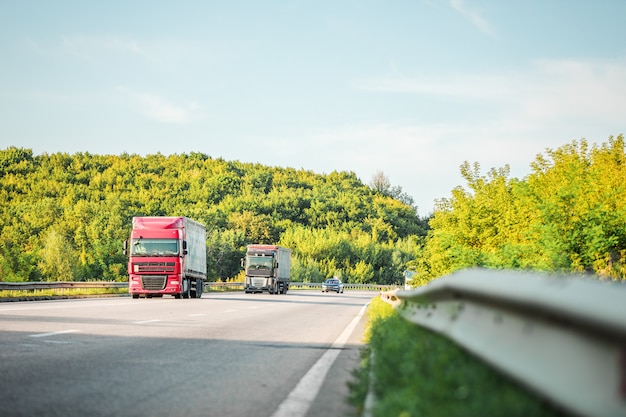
(65, 217)
(567, 215)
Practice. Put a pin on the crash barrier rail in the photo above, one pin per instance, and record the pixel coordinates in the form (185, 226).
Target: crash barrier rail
(18, 286)
(563, 337)
(305, 286)
(346, 286)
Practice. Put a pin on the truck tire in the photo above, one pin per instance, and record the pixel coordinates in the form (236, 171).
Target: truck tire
(195, 288)
(199, 288)
(186, 288)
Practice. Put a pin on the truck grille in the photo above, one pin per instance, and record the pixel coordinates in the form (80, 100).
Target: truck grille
(258, 282)
(153, 282)
(163, 267)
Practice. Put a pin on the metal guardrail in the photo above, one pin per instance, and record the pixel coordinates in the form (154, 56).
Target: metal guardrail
(308, 286)
(563, 337)
(346, 286)
(18, 286)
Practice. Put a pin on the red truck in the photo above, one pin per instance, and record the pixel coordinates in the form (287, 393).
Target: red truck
(167, 255)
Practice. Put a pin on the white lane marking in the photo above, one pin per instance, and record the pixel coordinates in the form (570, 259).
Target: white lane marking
(53, 333)
(146, 321)
(230, 311)
(299, 400)
(197, 315)
(253, 307)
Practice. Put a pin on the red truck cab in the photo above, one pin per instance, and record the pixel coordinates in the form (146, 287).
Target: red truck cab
(167, 255)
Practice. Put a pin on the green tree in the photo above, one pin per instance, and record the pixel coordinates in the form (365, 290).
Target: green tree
(58, 258)
(328, 220)
(579, 193)
(224, 252)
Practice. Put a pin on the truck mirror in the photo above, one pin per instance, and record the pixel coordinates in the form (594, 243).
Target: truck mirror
(242, 263)
(125, 245)
(184, 244)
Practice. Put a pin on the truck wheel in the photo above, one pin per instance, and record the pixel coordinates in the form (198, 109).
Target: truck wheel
(199, 288)
(186, 289)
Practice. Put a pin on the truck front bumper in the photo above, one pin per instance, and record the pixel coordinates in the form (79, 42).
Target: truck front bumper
(154, 284)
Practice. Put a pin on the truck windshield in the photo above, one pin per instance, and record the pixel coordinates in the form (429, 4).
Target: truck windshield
(154, 247)
(260, 262)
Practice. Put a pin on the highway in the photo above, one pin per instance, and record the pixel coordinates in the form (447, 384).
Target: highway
(226, 354)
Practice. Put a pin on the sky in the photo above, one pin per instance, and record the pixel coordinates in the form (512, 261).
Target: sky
(409, 88)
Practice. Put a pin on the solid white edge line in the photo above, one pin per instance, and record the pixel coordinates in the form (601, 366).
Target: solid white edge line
(53, 333)
(299, 400)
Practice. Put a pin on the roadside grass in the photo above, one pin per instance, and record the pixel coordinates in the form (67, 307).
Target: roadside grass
(415, 373)
(25, 295)
(225, 287)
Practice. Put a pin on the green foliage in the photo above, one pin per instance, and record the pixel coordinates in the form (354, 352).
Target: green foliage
(66, 216)
(420, 373)
(355, 256)
(567, 215)
(58, 261)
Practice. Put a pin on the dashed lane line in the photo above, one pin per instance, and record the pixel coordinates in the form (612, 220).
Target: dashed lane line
(53, 333)
(147, 321)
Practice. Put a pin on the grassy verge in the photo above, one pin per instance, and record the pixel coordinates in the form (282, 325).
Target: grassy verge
(419, 373)
(26, 295)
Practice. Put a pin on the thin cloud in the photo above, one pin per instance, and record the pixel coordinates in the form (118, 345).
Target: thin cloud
(576, 89)
(474, 17)
(156, 107)
(546, 90)
(90, 47)
(488, 86)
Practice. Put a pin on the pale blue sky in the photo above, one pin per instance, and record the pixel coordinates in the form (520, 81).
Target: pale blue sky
(411, 88)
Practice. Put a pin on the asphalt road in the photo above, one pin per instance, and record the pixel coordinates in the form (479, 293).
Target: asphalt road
(228, 354)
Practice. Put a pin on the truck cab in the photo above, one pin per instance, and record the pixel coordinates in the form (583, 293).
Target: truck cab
(166, 255)
(267, 268)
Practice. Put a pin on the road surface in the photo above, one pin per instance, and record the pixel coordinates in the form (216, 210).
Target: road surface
(226, 354)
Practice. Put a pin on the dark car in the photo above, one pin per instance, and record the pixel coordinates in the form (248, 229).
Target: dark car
(332, 284)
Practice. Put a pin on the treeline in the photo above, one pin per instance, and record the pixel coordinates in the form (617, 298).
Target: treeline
(65, 217)
(568, 214)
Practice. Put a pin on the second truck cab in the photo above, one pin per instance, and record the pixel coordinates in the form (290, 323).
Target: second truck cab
(267, 268)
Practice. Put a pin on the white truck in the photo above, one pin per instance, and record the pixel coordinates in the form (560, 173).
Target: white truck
(268, 268)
